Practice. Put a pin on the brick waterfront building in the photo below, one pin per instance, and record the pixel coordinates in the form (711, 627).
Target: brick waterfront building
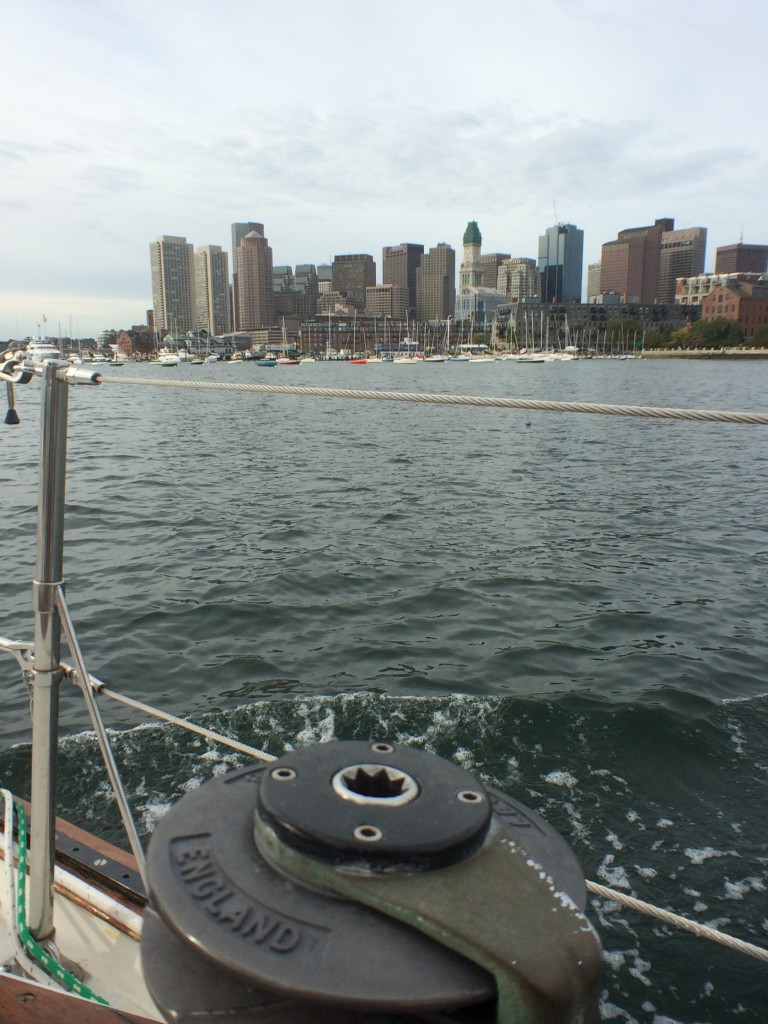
(746, 302)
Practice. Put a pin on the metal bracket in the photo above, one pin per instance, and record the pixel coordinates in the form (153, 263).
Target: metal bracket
(21, 652)
(13, 369)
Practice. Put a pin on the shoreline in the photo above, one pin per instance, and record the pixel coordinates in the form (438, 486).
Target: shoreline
(706, 353)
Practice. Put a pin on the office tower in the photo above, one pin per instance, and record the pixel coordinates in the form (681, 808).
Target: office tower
(560, 263)
(399, 264)
(629, 266)
(295, 294)
(741, 259)
(436, 284)
(253, 269)
(387, 299)
(352, 274)
(282, 278)
(489, 268)
(682, 255)
(173, 284)
(593, 281)
(212, 289)
(518, 278)
(239, 231)
(324, 278)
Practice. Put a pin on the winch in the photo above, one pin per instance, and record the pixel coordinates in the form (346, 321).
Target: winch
(363, 882)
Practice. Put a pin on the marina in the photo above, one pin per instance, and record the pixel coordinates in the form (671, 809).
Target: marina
(572, 607)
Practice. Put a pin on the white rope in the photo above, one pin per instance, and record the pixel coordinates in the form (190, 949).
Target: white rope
(429, 398)
(702, 930)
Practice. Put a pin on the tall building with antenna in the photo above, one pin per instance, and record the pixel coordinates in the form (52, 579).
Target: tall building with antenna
(561, 261)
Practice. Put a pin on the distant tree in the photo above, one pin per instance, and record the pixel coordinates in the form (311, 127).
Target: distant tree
(661, 338)
(760, 338)
(718, 333)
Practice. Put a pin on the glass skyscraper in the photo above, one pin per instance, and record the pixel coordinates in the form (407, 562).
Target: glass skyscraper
(561, 260)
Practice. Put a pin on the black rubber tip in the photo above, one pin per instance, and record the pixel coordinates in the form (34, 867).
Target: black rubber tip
(12, 417)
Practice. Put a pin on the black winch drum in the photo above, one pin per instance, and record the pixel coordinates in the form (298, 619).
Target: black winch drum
(364, 882)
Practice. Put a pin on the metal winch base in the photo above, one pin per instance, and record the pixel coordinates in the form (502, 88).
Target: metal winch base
(364, 882)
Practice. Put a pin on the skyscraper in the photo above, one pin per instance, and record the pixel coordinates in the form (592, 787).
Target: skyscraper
(489, 265)
(519, 278)
(173, 284)
(253, 267)
(239, 231)
(682, 255)
(352, 274)
(212, 289)
(594, 287)
(399, 265)
(436, 284)
(629, 266)
(561, 250)
(741, 259)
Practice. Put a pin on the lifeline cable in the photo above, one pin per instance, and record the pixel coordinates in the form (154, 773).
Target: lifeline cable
(435, 398)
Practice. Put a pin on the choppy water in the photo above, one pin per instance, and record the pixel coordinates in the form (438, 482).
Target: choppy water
(573, 607)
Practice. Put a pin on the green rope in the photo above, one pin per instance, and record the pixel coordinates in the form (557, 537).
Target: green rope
(35, 950)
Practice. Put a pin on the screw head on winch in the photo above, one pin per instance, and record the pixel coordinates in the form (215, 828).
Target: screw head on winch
(374, 802)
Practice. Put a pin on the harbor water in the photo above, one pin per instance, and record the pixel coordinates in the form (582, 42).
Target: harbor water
(573, 607)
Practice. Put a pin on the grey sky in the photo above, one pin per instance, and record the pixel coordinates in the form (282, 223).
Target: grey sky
(345, 126)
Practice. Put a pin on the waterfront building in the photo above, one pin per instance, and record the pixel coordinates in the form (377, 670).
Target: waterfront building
(594, 287)
(387, 300)
(692, 290)
(436, 284)
(173, 284)
(398, 267)
(741, 258)
(583, 324)
(745, 301)
(352, 274)
(212, 295)
(518, 278)
(629, 265)
(682, 255)
(561, 257)
(253, 267)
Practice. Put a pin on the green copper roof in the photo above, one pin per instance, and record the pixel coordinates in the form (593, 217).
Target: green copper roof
(472, 235)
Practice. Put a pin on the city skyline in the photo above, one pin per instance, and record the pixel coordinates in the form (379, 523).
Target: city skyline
(349, 141)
